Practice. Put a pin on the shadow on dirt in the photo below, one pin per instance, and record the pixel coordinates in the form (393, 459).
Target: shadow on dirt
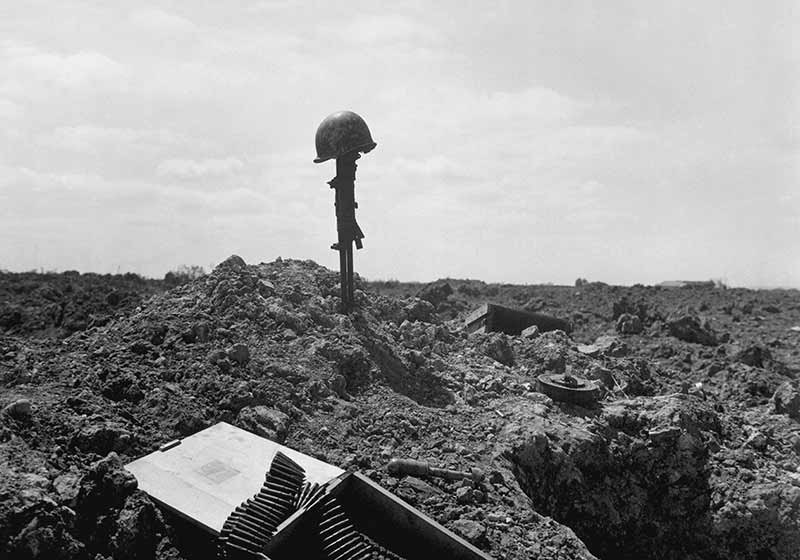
(424, 389)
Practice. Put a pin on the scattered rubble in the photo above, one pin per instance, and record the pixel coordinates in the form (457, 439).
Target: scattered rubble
(692, 451)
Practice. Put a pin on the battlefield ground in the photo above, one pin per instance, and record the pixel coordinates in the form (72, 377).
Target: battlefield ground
(692, 452)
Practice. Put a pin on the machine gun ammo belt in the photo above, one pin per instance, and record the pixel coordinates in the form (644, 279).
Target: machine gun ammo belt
(250, 527)
(342, 541)
(252, 524)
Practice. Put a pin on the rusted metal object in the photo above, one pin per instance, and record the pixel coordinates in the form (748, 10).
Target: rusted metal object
(568, 388)
(491, 317)
(411, 467)
(342, 136)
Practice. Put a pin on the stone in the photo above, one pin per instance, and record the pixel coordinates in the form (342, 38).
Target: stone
(755, 355)
(435, 293)
(689, 328)
(786, 399)
(266, 288)
(239, 353)
(757, 441)
(220, 359)
(264, 421)
(189, 423)
(604, 375)
(67, 487)
(234, 262)
(140, 347)
(20, 409)
(338, 384)
(419, 486)
(199, 332)
(464, 495)
(629, 324)
(101, 438)
(138, 530)
(122, 387)
(498, 348)
(604, 345)
(107, 484)
(157, 334)
(471, 530)
(530, 332)
(420, 310)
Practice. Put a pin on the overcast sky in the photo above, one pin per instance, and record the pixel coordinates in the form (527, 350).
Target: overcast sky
(517, 141)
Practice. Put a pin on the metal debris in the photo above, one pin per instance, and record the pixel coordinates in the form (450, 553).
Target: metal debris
(568, 388)
(491, 317)
(401, 467)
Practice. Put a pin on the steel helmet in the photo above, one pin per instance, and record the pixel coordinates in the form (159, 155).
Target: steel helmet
(341, 133)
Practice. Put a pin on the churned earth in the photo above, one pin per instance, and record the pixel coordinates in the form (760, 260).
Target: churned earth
(692, 452)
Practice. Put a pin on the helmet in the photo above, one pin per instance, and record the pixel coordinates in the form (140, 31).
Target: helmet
(341, 133)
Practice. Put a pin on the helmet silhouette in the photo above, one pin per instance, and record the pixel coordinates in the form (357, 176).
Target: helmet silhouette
(341, 133)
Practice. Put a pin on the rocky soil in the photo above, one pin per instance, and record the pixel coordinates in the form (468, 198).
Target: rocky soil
(692, 452)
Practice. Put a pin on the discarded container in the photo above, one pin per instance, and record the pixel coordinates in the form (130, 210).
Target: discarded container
(491, 317)
(302, 507)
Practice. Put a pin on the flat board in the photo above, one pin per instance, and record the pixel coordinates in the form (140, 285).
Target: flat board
(211, 472)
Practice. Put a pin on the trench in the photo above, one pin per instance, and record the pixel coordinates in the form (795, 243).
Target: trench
(626, 499)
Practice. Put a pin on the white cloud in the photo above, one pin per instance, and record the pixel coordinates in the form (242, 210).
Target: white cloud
(436, 166)
(47, 191)
(237, 201)
(383, 28)
(10, 110)
(188, 169)
(194, 80)
(28, 67)
(446, 107)
(537, 103)
(160, 21)
(271, 6)
(94, 139)
(590, 187)
(25, 180)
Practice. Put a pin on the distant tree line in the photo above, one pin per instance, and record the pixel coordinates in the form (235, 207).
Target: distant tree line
(183, 275)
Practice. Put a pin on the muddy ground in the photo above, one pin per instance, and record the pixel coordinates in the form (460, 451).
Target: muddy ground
(692, 452)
